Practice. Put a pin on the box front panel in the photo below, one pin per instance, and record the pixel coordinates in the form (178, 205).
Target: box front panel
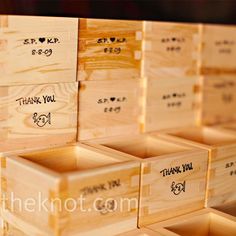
(172, 186)
(222, 177)
(170, 103)
(38, 115)
(109, 49)
(103, 201)
(170, 49)
(219, 100)
(108, 108)
(218, 50)
(37, 50)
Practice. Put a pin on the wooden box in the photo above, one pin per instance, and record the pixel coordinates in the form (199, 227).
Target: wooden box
(170, 49)
(173, 176)
(205, 222)
(82, 191)
(36, 50)
(218, 50)
(108, 108)
(221, 145)
(170, 102)
(109, 49)
(218, 99)
(37, 115)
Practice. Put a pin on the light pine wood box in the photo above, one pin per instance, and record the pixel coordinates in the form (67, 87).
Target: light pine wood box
(173, 176)
(109, 108)
(170, 50)
(218, 50)
(218, 99)
(36, 50)
(205, 222)
(37, 115)
(170, 102)
(221, 146)
(109, 49)
(66, 173)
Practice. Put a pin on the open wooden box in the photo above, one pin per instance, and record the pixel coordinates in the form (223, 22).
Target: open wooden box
(173, 176)
(63, 176)
(36, 50)
(222, 153)
(109, 49)
(38, 115)
(206, 222)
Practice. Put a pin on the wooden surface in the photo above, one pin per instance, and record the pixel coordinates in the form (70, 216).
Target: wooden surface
(229, 126)
(203, 222)
(222, 156)
(141, 232)
(218, 101)
(170, 50)
(37, 115)
(170, 102)
(22, 38)
(229, 208)
(72, 172)
(163, 196)
(108, 108)
(218, 52)
(109, 49)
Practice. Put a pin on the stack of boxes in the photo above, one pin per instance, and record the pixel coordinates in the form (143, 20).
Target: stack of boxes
(102, 121)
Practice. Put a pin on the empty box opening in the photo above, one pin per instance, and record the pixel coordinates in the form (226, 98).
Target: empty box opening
(145, 146)
(204, 135)
(229, 208)
(208, 224)
(70, 159)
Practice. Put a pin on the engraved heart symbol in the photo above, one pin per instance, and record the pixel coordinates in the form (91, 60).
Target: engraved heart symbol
(42, 40)
(113, 39)
(112, 99)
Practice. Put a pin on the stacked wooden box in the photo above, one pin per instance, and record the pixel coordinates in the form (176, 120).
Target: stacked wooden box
(133, 94)
(38, 88)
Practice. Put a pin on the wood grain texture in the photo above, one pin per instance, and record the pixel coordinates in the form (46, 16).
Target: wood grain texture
(36, 50)
(170, 102)
(222, 160)
(37, 115)
(108, 108)
(71, 173)
(109, 49)
(141, 232)
(170, 49)
(161, 194)
(218, 50)
(218, 101)
(203, 222)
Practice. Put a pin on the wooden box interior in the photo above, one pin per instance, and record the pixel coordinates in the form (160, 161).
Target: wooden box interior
(144, 146)
(229, 208)
(69, 159)
(203, 135)
(209, 224)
